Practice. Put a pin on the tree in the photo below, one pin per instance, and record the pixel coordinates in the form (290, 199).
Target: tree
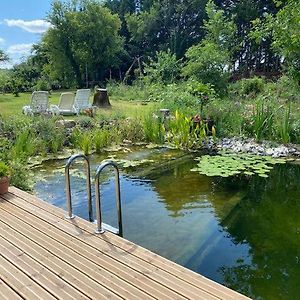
(207, 63)
(165, 68)
(167, 24)
(83, 40)
(3, 56)
(210, 61)
(282, 30)
(251, 56)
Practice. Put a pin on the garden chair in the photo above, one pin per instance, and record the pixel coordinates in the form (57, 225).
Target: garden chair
(82, 100)
(38, 103)
(65, 105)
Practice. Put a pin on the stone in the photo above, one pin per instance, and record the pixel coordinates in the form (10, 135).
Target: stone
(65, 123)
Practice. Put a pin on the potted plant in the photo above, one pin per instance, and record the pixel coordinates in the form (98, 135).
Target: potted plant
(4, 178)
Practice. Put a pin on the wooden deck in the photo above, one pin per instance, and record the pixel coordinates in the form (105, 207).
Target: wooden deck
(44, 256)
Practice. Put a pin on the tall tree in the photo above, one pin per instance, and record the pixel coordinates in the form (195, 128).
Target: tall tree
(251, 56)
(283, 32)
(3, 56)
(168, 24)
(83, 40)
(211, 60)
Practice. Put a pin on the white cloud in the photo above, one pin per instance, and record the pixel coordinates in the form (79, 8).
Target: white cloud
(20, 49)
(2, 41)
(17, 53)
(34, 26)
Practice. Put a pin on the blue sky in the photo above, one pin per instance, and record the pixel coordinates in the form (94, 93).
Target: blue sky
(22, 23)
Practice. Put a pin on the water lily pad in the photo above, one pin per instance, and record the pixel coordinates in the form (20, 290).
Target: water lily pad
(226, 165)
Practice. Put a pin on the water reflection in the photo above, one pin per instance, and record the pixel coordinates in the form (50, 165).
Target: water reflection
(268, 219)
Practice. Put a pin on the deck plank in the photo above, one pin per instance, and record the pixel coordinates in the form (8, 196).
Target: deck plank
(20, 282)
(115, 265)
(137, 269)
(7, 293)
(68, 256)
(50, 261)
(116, 255)
(38, 273)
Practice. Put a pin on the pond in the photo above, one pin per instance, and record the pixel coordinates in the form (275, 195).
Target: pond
(241, 231)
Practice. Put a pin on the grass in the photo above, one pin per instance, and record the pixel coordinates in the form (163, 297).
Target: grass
(12, 106)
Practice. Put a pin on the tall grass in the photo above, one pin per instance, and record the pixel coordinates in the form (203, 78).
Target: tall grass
(24, 146)
(101, 139)
(284, 126)
(263, 120)
(154, 129)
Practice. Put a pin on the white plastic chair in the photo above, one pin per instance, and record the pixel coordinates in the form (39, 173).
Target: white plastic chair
(65, 105)
(82, 100)
(38, 103)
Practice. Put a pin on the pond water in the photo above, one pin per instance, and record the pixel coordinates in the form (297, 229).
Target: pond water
(243, 232)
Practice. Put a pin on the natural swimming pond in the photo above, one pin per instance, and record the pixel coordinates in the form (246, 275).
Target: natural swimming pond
(241, 231)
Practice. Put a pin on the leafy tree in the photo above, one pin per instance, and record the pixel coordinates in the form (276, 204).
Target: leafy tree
(4, 78)
(3, 56)
(210, 60)
(165, 68)
(83, 40)
(283, 32)
(207, 63)
(251, 56)
(167, 24)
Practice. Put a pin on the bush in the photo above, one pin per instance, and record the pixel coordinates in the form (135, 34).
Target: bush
(20, 175)
(164, 68)
(207, 63)
(252, 86)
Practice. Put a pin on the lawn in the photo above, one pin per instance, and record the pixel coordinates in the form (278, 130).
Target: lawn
(12, 106)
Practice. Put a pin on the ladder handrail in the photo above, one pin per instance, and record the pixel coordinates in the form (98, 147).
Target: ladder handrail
(98, 200)
(88, 185)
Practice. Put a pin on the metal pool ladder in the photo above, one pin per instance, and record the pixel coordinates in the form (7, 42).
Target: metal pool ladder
(88, 185)
(101, 227)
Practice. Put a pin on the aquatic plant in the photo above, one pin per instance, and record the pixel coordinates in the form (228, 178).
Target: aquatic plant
(125, 163)
(85, 143)
(24, 145)
(227, 165)
(184, 132)
(263, 120)
(154, 129)
(100, 137)
(284, 126)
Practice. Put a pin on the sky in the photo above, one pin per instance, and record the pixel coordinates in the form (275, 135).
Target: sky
(22, 23)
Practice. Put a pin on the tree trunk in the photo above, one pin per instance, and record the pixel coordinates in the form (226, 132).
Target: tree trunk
(101, 98)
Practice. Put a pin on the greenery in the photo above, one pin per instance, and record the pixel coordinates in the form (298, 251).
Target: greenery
(4, 170)
(227, 165)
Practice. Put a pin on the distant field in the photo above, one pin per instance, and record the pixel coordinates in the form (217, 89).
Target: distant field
(12, 106)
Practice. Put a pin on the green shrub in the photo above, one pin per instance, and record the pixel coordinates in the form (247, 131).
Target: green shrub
(154, 130)
(101, 139)
(4, 170)
(24, 146)
(131, 129)
(164, 68)
(253, 86)
(20, 175)
(49, 134)
(121, 91)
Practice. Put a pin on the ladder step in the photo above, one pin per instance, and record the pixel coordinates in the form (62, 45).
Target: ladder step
(109, 228)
